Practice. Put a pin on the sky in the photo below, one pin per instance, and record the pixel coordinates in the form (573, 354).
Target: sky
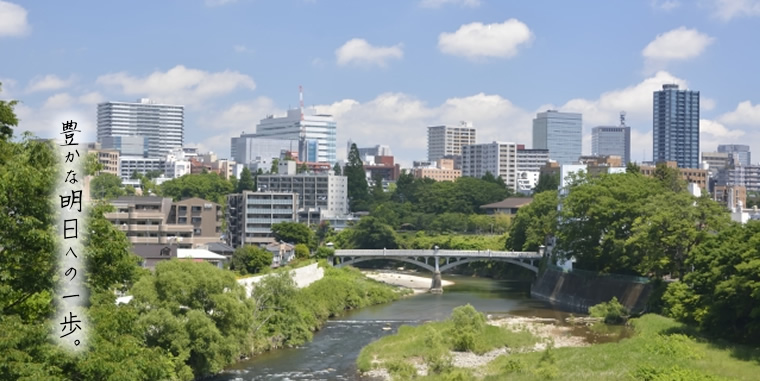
(385, 69)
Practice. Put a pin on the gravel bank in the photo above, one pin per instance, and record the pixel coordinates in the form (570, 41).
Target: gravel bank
(418, 284)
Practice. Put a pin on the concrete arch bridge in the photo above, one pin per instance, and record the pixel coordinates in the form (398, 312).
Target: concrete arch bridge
(437, 261)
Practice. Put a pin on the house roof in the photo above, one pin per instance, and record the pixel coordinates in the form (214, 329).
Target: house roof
(512, 202)
(277, 245)
(198, 254)
(218, 247)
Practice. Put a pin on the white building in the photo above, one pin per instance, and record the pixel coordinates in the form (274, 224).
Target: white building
(318, 132)
(122, 124)
(531, 159)
(250, 148)
(250, 216)
(527, 181)
(320, 195)
(378, 150)
(141, 165)
(177, 164)
(498, 158)
(447, 141)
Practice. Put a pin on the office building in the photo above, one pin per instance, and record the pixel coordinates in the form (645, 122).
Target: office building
(383, 166)
(108, 158)
(142, 165)
(141, 128)
(320, 195)
(560, 133)
(440, 170)
(676, 126)
(498, 158)
(315, 133)
(739, 153)
(531, 160)
(250, 216)
(378, 150)
(612, 140)
(252, 148)
(447, 141)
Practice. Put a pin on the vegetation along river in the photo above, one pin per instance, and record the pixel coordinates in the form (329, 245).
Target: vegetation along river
(332, 354)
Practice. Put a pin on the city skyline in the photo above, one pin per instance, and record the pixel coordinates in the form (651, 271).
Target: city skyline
(378, 68)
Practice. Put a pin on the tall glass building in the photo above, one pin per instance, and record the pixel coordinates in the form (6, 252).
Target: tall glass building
(560, 133)
(676, 126)
(161, 126)
(612, 140)
(319, 134)
(738, 152)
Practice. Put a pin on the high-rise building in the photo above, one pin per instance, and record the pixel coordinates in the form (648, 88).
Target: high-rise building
(612, 140)
(531, 160)
(141, 128)
(739, 153)
(316, 134)
(378, 150)
(676, 126)
(250, 216)
(498, 158)
(447, 141)
(560, 133)
(251, 148)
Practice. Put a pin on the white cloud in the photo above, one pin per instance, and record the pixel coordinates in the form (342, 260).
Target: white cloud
(59, 101)
(13, 20)
(478, 41)
(240, 48)
(359, 51)
(677, 44)
(91, 98)
(440, 3)
(243, 116)
(728, 9)
(216, 3)
(745, 115)
(706, 104)
(179, 84)
(717, 129)
(48, 83)
(665, 5)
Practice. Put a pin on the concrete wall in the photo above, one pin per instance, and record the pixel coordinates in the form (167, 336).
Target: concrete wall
(576, 291)
(303, 276)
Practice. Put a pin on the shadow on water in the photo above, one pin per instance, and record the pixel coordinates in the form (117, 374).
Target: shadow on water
(332, 354)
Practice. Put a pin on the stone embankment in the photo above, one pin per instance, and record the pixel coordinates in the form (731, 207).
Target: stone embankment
(303, 276)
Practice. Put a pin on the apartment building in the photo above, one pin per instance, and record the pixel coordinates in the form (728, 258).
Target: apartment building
(440, 170)
(498, 158)
(250, 216)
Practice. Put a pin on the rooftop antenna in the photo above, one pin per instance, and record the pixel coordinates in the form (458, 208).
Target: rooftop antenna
(622, 119)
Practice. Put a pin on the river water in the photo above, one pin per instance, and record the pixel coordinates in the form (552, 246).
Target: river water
(332, 354)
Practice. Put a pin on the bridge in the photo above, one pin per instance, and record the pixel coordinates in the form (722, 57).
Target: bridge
(438, 261)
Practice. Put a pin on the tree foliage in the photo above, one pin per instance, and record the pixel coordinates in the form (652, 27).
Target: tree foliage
(358, 190)
(547, 182)
(249, 259)
(246, 182)
(106, 186)
(293, 232)
(534, 223)
(8, 118)
(208, 186)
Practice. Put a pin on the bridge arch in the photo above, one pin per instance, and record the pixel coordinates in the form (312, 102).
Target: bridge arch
(413, 261)
(451, 265)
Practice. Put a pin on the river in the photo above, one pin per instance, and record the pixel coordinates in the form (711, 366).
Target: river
(331, 355)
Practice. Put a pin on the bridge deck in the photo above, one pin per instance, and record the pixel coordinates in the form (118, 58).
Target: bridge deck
(438, 253)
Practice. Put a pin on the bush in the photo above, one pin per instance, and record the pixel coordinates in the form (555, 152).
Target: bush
(613, 312)
(302, 251)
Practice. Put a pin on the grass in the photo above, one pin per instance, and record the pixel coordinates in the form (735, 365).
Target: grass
(661, 350)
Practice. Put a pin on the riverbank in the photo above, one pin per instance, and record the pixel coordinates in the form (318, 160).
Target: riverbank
(417, 284)
(661, 349)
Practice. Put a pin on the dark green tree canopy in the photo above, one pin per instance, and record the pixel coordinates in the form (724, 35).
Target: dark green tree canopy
(8, 118)
(208, 186)
(106, 186)
(293, 232)
(249, 259)
(358, 190)
(246, 182)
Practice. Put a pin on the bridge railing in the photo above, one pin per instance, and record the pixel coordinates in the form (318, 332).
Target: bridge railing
(439, 253)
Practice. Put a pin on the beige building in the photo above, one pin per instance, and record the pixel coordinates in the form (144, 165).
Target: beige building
(156, 220)
(443, 171)
(731, 196)
(109, 158)
(447, 141)
(691, 175)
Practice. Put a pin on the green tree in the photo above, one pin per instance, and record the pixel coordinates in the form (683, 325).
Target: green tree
(8, 118)
(324, 252)
(337, 169)
(106, 186)
(302, 168)
(293, 232)
(358, 190)
(370, 233)
(323, 230)
(246, 182)
(248, 259)
(547, 182)
(107, 251)
(28, 171)
(91, 164)
(632, 167)
(275, 166)
(378, 194)
(208, 186)
(534, 223)
(302, 251)
(669, 177)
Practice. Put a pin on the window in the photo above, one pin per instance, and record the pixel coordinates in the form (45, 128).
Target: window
(197, 231)
(182, 220)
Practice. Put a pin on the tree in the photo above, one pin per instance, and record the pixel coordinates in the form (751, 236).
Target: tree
(275, 166)
(153, 174)
(632, 167)
(370, 233)
(302, 251)
(293, 232)
(358, 190)
(92, 165)
(337, 169)
(669, 177)
(248, 259)
(534, 223)
(547, 182)
(208, 186)
(106, 186)
(107, 251)
(378, 194)
(324, 252)
(8, 118)
(323, 230)
(302, 168)
(246, 182)
(28, 173)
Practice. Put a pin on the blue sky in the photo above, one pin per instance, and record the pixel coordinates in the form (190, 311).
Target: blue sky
(385, 69)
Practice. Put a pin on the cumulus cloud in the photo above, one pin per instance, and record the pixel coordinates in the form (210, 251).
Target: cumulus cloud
(91, 98)
(48, 83)
(59, 101)
(179, 84)
(440, 3)
(13, 20)
(729, 9)
(706, 104)
(745, 114)
(478, 40)
(677, 44)
(665, 5)
(240, 48)
(359, 51)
